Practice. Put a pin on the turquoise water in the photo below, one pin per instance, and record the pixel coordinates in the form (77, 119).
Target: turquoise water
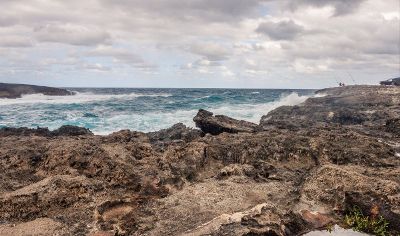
(107, 110)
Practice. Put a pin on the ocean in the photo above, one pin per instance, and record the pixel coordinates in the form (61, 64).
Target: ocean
(106, 110)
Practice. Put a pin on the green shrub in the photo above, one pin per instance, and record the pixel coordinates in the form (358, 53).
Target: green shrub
(358, 222)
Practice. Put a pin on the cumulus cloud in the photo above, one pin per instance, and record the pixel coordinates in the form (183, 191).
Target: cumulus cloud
(282, 30)
(121, 55)
(7, 21)
(15, 41)
(211, 51)
(94, 67)
(204, 66)
(189, 10)
(267, 40)
(71, 34)
(342, 7)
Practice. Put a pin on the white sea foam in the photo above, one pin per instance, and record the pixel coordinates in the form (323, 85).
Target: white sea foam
(320, 95)
(153, 121)
(254, 112)
(77, 98)
(105, 119)
(204, 97)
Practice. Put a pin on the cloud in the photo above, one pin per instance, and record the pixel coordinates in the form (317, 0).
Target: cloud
(342, 7)
(121, 55)
(95, 67)
(7, 21)
(261, 38)
(200, 64)
(211, 51)
(282, 30)
(71, 34)
(249, 47)
(189, 10)
(15, 41)
(204, 66)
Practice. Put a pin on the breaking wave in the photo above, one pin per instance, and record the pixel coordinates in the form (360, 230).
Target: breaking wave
(76, 98)
(141, 110)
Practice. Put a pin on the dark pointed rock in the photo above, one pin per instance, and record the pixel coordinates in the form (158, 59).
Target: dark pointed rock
(218, 124)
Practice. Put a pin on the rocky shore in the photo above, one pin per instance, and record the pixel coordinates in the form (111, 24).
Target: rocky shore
(300, 169)
(12, 91)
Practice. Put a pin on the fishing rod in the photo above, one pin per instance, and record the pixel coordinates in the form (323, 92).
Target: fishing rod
(351, 77)
(335, 78)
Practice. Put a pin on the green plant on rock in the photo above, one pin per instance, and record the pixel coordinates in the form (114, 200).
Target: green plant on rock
(329, 228)
(358, 222)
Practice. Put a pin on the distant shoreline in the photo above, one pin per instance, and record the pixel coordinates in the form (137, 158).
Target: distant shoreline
(13, 91)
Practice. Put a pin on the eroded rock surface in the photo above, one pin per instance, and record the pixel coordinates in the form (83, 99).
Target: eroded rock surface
(300, 170)
(370, 106)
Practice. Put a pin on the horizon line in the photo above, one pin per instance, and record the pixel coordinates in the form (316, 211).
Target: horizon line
(71, 87)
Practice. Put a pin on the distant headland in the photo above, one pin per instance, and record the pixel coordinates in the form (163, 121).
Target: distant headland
(17, 90)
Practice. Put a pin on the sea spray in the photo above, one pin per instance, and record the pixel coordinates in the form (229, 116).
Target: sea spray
(108, 110)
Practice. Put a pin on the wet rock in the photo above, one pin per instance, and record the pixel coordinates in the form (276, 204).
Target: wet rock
(69, 130)
(66, 130)
(176, 132)
(218, 124)
(126, 136)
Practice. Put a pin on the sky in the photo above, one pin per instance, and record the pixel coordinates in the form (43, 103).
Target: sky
(199, 43)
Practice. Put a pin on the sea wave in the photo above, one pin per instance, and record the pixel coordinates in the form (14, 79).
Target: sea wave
(153, 121)
(76, 98)
(125, 111)
(254, 112)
